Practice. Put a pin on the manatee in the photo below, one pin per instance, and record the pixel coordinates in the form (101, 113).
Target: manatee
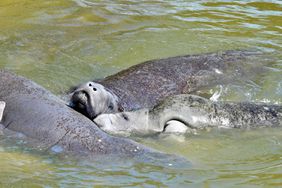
(187, 113)
(146, 84)
(45, 119)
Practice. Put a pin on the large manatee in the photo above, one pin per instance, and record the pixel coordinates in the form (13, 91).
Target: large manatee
(146, 84)
(188, 113)
(39, 115)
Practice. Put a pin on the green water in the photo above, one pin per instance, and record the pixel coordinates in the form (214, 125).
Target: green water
(59, 43)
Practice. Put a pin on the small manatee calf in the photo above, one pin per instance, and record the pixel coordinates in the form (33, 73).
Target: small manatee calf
(184, 113)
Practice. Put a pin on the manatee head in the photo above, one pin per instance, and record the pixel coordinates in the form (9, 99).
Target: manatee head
(92, 99)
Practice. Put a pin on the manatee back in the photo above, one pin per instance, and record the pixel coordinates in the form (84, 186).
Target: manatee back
(198, 112)
(247, 114)
(146, 84)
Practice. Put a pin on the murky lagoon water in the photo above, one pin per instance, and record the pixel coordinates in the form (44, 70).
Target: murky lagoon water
(59, 43)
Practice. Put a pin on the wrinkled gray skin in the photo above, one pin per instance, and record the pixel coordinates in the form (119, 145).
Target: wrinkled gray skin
(44, 118)
(183, 113)
(146, 84)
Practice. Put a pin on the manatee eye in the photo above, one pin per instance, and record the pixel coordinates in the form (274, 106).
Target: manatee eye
(94, 89)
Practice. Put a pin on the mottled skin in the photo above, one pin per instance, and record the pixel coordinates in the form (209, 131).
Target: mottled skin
(146, 84)
(182, 113)
(43, 117)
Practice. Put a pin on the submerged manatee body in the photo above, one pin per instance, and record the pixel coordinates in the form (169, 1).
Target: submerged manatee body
(182, 113)
(38, 114)
(146, 84)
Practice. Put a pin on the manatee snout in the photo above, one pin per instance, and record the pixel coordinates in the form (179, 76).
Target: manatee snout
(113, 123)
(81, 100)
(103, 121)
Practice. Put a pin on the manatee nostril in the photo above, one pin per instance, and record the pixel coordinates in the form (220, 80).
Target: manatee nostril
(90, 85)
(94, 89)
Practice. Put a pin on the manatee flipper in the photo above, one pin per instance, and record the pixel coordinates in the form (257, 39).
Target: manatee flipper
(2, 107)
(174, 126)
